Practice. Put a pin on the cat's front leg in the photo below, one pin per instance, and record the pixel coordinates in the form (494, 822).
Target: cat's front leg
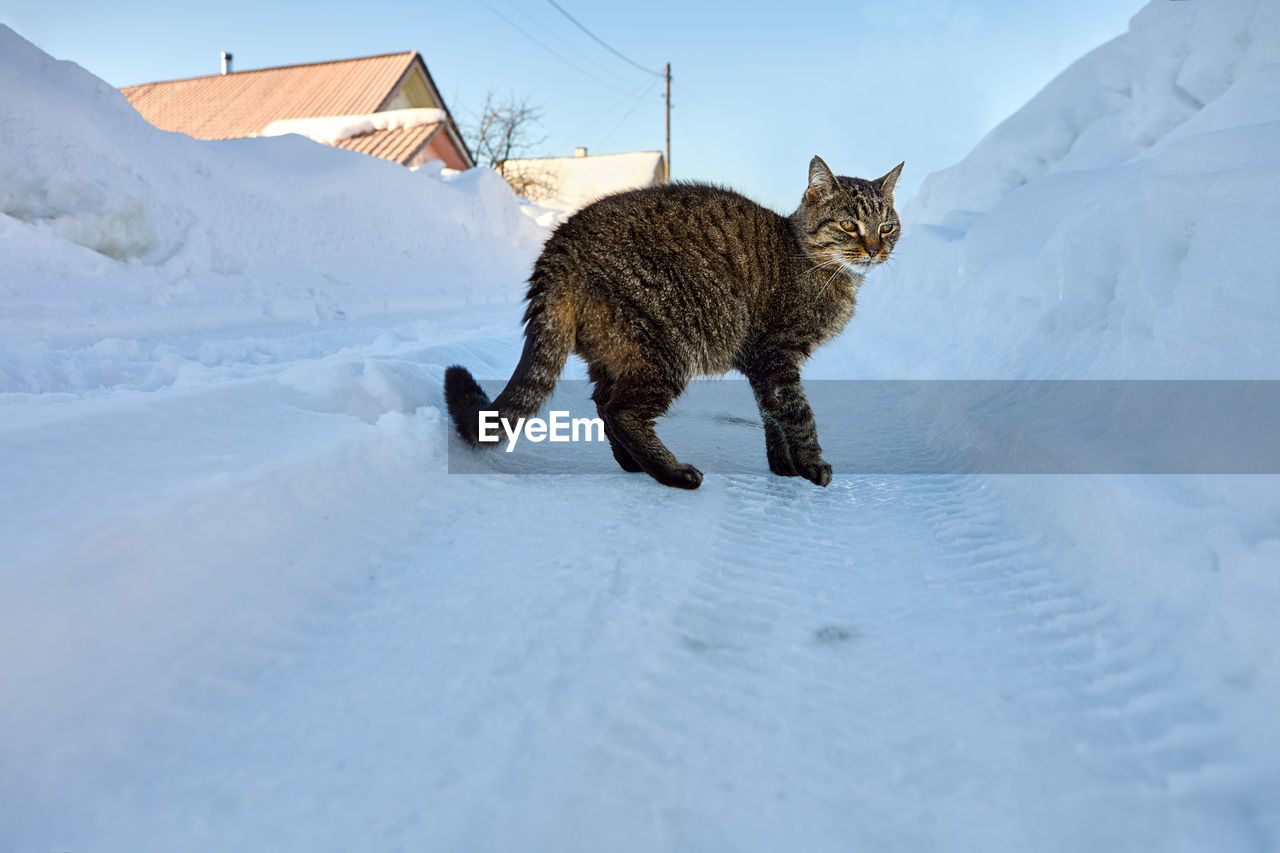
(802, 433)
(776, 447)
(791, 436)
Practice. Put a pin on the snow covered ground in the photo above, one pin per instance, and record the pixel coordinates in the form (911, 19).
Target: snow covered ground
(244, 605)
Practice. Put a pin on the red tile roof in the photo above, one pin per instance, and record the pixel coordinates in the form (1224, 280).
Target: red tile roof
(230, 106)
(398, 144)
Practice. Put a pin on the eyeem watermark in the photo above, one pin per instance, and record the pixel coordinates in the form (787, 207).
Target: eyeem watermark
(559, 427)
(890, 427)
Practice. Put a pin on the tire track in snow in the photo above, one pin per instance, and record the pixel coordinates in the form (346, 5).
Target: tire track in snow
(779, 686)
(843, 653)
(1137, 728)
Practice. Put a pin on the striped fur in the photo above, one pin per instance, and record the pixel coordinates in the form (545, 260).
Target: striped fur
(654, 287)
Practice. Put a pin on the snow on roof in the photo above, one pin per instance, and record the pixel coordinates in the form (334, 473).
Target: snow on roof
(577, 181)
(334, 129)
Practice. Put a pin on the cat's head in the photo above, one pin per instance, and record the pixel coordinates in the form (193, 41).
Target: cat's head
(847, 221)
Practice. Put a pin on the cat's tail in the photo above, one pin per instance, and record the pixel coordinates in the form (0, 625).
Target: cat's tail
(548, 340)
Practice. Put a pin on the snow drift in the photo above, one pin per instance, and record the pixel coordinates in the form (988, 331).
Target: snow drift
(114, 230)
(1120, 225)
(1117, 226)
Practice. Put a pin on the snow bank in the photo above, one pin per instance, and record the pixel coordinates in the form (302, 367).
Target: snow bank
(331, 129)
(1120, 225)
(1183, 68)
(114, 230)
(1116, 226)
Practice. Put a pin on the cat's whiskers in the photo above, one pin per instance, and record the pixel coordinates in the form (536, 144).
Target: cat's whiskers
(834, 262)
(833, 277)
(832, 259)
(839, 264)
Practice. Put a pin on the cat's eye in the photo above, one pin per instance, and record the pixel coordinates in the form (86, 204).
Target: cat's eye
(888, 228)
(847, 225)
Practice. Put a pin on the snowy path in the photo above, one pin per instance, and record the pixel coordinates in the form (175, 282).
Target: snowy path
(345, 648)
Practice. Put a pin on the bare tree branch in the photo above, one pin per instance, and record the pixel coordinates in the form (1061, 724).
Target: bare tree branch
(526, 180)
(505, 129)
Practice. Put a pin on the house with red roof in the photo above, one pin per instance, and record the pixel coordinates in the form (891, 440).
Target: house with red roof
(385, 106)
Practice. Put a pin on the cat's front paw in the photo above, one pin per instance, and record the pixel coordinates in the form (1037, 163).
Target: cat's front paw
(680, 477)
(818, 473)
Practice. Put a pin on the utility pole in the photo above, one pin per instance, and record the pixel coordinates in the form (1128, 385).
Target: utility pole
(668, 122)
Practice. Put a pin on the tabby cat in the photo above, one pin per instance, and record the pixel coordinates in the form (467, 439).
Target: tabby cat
(656, 286)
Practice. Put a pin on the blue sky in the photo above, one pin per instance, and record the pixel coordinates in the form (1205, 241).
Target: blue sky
(758, 87)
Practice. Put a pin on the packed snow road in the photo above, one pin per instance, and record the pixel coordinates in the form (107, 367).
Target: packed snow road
(345, 647)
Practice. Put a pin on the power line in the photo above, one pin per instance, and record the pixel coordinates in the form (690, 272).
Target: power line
(638, 96)
(612, 72)
(531, 38)
(601, 41)
(628, 113)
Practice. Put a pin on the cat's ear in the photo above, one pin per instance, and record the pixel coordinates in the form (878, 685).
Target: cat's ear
(821, 181)
(887, 183)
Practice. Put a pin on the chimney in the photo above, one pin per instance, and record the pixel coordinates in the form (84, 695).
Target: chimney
(226, 62)
(580, 151)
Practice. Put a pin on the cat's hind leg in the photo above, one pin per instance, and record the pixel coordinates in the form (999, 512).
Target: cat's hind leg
(638, 398)
(601, 395)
